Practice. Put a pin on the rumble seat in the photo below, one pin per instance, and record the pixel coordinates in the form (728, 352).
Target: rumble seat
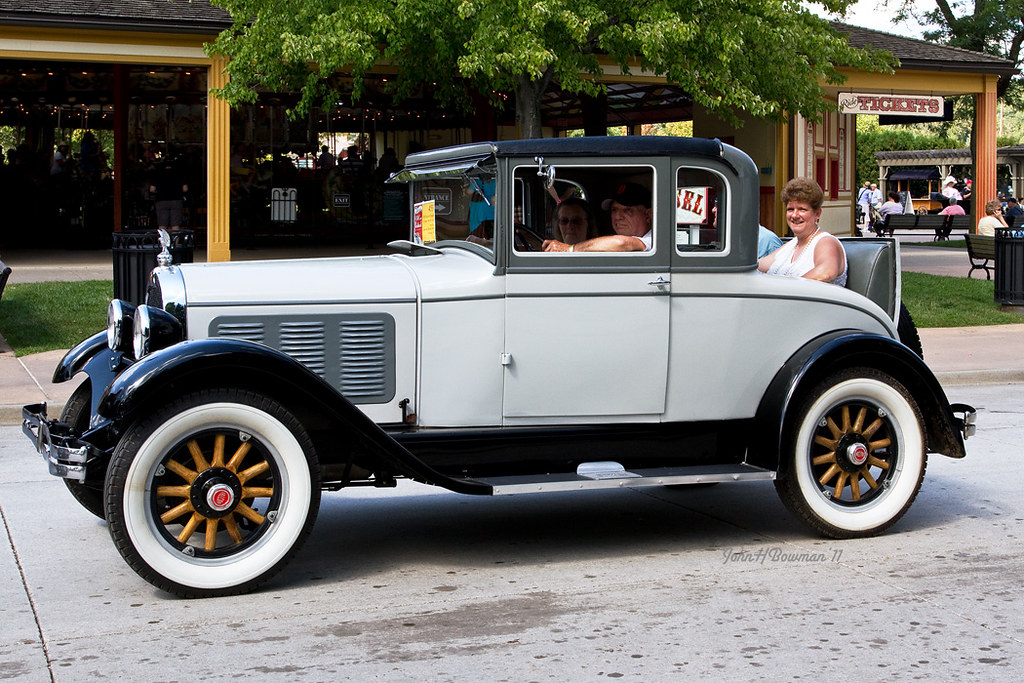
(872, 269)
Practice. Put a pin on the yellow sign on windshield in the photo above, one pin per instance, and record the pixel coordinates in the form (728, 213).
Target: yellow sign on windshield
(423, 222)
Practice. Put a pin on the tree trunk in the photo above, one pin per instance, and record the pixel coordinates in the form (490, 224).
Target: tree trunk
(529, 93)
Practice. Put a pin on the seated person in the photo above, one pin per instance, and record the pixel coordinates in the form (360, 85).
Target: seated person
(993, 218)
(812, 254)
(574, 221)
(767, 241)
(631, 218)
(892, 207)
(954, 209)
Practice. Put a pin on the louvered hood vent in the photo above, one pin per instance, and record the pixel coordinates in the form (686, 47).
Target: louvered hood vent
(353, 352)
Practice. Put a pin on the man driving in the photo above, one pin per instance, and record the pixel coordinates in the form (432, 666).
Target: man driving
(631, 216)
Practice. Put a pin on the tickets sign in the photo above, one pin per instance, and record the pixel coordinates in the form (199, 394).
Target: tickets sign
(903, 105)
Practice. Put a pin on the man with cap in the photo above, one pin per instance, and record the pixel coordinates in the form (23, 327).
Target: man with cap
(630, 209)
(1012, 208)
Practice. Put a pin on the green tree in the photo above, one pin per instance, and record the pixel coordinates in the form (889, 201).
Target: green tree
(995, 27)
(765, 57)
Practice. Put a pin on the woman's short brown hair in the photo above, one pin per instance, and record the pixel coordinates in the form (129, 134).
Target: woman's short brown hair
(991, 206)
(803, 190)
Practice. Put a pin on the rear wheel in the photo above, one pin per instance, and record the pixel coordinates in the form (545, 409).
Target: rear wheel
(213, 494)
(76, 414)
(907, 331)
(857, 457)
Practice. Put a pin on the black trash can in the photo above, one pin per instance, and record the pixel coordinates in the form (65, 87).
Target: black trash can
(1009, 280)
(135, 253)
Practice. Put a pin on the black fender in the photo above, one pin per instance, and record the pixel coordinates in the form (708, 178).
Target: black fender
(844, 349)
(93, 357)
(210, 363)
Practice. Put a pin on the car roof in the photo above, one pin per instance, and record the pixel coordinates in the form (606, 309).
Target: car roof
(638, 145)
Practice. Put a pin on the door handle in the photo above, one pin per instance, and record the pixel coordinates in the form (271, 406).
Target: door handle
(660, 282)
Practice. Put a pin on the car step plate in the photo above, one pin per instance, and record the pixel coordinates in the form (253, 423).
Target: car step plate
(592, 476)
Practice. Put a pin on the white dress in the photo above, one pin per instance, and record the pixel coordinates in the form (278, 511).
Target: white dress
(785, 265)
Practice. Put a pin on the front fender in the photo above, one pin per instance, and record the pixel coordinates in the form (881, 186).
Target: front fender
(94, 358)
(207, 363)
(845, 349)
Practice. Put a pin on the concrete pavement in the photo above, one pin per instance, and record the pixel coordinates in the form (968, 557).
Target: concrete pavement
(957, 356)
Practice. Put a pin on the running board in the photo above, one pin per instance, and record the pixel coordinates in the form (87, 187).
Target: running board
(610, 475)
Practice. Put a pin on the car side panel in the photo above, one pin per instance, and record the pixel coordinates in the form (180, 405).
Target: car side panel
(731, 332)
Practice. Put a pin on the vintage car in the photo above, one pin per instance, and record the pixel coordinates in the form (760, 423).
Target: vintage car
(214, 415)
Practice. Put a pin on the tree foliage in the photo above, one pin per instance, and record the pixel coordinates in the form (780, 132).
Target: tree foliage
(995, 27)
(765, 57)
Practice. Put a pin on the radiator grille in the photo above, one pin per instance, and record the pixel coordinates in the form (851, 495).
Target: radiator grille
(355, 353)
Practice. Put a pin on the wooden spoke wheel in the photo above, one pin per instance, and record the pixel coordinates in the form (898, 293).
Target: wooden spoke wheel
(213, 494)
(857, 457)
(216, 493)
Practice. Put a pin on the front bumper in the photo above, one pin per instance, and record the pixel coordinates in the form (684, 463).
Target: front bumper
(65, 453)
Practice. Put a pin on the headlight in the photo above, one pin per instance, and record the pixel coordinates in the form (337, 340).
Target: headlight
(153, 330)
(119, 325)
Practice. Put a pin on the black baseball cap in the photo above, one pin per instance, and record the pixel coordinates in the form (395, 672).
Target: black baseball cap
(629, 194)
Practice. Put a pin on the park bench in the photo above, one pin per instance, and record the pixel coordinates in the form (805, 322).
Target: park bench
(961, 223)
(980, 250)
(893, 221)
(937, 223)
(5, 272)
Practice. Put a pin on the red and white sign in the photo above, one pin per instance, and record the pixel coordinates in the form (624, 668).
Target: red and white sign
(902, 105)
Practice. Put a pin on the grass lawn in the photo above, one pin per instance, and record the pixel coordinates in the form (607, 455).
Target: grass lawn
(949, 244)
(42, 316)
(937, 301)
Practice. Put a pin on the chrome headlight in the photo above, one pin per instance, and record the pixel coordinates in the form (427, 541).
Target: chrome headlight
(152, 330)
(119, 325)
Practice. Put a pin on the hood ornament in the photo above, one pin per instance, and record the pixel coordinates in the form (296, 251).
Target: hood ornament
(164, 258)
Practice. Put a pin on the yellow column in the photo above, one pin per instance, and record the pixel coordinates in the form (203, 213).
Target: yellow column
(218, 167)
(985, 148)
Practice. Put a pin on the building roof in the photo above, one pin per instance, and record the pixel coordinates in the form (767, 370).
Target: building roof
(179, 16)
(922, 54)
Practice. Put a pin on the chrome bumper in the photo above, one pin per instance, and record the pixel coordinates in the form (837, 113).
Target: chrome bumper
(64, 453)
(966, 422)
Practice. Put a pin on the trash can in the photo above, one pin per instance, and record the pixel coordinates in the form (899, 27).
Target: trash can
(135, 253)
(1009, 280)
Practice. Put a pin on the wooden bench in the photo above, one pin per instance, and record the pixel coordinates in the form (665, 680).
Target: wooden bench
(893, 221)
(5, 272)
(937, 223)
(981, 248)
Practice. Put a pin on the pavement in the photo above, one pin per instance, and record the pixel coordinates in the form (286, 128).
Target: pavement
(957, 355)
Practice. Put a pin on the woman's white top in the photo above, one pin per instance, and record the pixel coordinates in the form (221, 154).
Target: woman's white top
(804, 263)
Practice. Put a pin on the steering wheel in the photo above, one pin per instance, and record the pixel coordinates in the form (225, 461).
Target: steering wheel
(526, 239)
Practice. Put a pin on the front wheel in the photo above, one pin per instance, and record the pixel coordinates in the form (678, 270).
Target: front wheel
(213, 494)
(76, 415)
(857, 455)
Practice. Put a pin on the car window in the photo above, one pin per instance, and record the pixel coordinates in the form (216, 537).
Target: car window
(578, 205)
(456, 207)
(701, 211)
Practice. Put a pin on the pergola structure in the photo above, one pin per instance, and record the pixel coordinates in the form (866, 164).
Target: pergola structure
(133, 46)
(944, 161)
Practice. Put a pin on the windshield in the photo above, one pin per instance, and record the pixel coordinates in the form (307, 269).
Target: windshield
(453, 202)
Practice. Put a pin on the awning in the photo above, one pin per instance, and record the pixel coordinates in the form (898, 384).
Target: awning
(915, 174)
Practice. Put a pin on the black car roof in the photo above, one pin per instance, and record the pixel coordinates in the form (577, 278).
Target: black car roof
(642, 145)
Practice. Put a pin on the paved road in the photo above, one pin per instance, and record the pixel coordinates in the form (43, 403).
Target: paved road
(420, 584)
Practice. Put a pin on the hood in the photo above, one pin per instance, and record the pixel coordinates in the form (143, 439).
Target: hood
(291, 281)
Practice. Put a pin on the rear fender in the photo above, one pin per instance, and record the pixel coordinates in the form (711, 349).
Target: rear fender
(833, 352)
(208, 363)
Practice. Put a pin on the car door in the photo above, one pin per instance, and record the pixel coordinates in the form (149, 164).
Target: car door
(586, 334)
